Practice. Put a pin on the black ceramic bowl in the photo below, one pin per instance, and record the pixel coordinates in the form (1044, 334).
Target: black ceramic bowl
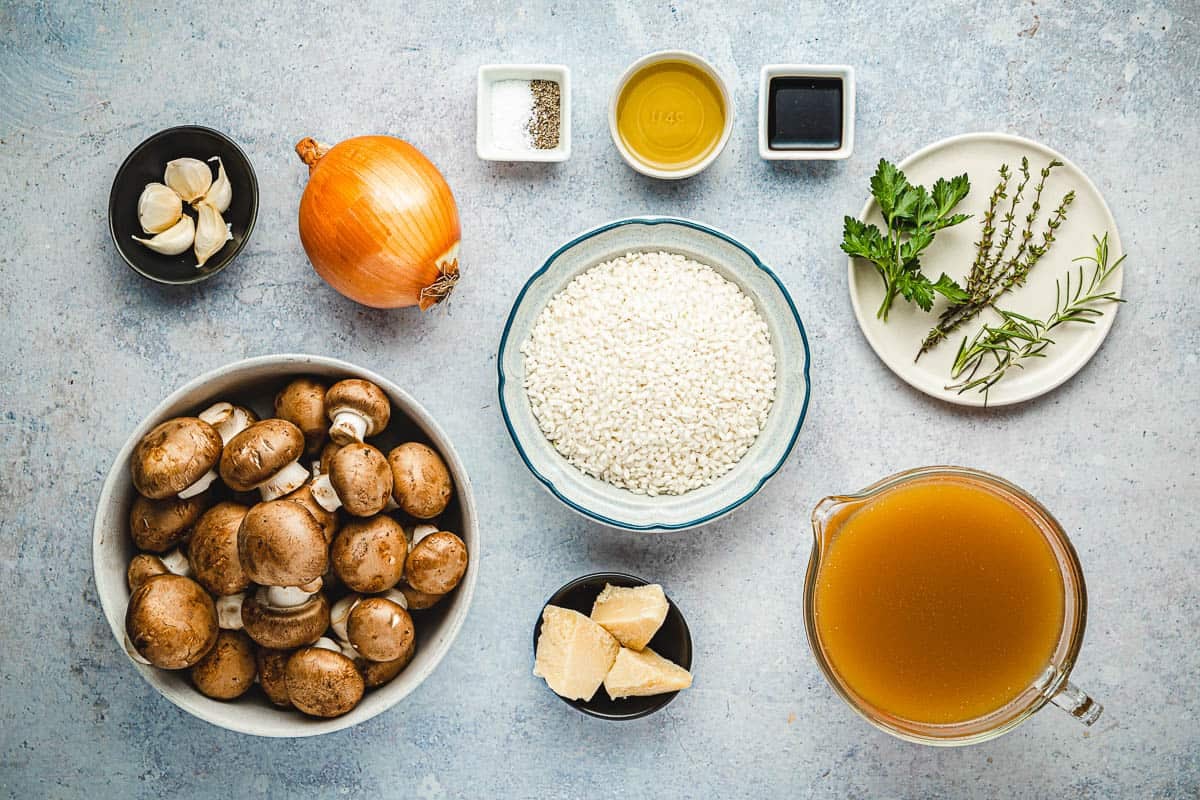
(673, 641)
(145, 165)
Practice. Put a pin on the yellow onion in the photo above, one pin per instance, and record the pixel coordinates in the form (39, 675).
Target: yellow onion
(379, 222)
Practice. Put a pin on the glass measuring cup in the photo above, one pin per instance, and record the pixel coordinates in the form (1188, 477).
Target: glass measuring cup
(1051, 685)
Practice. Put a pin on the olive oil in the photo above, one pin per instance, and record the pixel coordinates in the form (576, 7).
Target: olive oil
(671, 115)
(804, 113)
(939, 601)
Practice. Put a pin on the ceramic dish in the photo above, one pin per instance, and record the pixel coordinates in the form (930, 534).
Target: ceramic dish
(618, 507)
(637, 66)
(673, 641)
(772, 71)
(489, 74)
(980, 156)
(253, 382)
(145, 165)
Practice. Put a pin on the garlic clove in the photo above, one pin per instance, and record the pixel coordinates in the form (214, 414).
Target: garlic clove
(211, 233)
(158, 208)
(220, 194)
(189, 177)
(174, 240)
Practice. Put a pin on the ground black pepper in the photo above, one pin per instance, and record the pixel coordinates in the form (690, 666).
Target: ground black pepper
(544, 124)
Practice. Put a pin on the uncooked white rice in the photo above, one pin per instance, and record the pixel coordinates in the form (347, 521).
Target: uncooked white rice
(650, 372)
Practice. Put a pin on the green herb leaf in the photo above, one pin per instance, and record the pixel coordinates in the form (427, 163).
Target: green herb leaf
(948, 288)
(887, 184)
(948, 193)
(915, 288)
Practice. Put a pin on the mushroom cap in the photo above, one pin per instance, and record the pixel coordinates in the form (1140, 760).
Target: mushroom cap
(213, 550)
(368, 555)
(377, 673)
(156, 526)
(379, 629)
(229, 668)
(363, 397)
(285, 628)
(302, 403)
(328, 520)
(421, 482)
(362, 479)
(171, 621)
(323, 683)
(280, 544)
(142, 568)
(272, 666)
(418, 601)
(436, 563)
(260, 451)
(174, 455)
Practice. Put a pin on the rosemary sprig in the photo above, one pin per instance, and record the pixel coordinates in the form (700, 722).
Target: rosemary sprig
(1003, 273)
(1018, 337)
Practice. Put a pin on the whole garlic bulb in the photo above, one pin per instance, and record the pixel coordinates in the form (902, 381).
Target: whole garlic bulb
(158, 208)
(189, 177)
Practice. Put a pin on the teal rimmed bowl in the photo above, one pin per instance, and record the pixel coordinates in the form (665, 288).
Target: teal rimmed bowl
(621, 508)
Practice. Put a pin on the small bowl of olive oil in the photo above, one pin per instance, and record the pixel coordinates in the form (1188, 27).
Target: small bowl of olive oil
(805, 112)
(671, 115)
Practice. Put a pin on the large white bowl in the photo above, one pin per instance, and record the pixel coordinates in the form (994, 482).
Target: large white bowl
(253, 382)
(602, 501)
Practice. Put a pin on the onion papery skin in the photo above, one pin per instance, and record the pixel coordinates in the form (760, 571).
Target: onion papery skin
(379, 222)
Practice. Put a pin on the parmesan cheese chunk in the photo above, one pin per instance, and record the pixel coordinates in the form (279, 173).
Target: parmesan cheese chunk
(633, 615)
(638, 674)
(573, 653)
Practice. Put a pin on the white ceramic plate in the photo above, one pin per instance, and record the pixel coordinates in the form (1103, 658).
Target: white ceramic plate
(980, 156)
(253, 382)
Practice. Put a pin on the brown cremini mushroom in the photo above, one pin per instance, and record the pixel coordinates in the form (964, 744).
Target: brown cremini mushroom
(328, 520)
(158, 525)
(359, 480)
(356, 409)
(418, 601)
(379, 629)
(302, 403)
(377, 673)
(436, 563)
(213, 550)
(421, 482)
(368, 555)
(284, 627)
(229, 668)
(272, 668)
(171, 621)
(228, 420)
(142, 568)
(265, 457)
(322, 682)
(176, 457)
(280, 544)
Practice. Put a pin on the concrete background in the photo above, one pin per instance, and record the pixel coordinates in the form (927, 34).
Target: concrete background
(89, 348)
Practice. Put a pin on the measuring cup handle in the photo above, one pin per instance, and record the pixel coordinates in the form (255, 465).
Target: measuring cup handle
(1077, 703)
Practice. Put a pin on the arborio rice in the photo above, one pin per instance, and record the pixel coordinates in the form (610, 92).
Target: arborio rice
(650, 372)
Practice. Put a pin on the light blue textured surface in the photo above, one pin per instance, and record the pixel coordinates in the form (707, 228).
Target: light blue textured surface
(89, 348)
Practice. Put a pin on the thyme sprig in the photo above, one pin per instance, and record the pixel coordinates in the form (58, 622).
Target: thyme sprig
(1000, 273)
(999, 348)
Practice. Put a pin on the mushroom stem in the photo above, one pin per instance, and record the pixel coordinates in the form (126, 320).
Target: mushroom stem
(199, 486)
(348, 426)
(227, 419)
(324, 493)
(340, 613)
(229, 611)
(419, 532)
(287, 596)
(177, 563)
(325, 643)
(286, 481)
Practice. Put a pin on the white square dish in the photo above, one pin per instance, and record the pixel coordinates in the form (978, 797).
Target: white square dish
(772, 71)
(489, 74)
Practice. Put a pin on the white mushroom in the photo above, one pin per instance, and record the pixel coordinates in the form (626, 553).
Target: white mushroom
(228, 420)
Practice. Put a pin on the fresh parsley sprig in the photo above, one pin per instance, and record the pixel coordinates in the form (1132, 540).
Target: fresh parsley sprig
(912, 215)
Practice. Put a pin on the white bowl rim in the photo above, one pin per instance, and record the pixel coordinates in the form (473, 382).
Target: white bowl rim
(423, 420)
(726, 95)
(503, 379)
